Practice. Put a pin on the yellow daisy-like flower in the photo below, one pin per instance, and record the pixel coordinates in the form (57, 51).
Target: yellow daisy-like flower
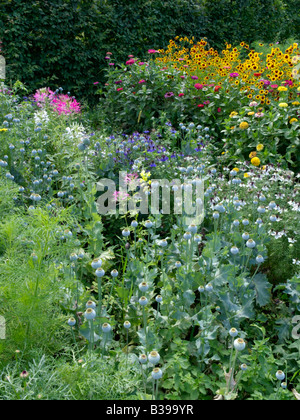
(282, 89)
(260, 147)
(283, 105)
(255, 161)
(234, 114)
(244, 125)
(293, 120)
(298, 89)
(232, 128)
(3, 129)
(296, 103)
(251, 113)
(252, 155)
(246, 175)
(236, 169)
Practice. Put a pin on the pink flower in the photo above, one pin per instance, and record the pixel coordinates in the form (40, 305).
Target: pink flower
(194, 77)
(96, 83)
(274, 86)
(180, 95)
(142, 81)
(234, 75)
(200, 106)
(152, 51)
(206, 102)
(182, 77)
(219, 110)
(198, 86)
(119, 89)
(130, 62)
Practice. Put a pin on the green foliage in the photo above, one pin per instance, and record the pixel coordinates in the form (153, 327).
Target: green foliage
(67, 40)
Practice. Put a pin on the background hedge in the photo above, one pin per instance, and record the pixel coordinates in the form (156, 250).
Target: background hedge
(64, 42)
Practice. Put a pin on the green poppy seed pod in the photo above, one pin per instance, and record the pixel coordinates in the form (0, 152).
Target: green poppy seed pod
(97, 263)
(99, 272)
(187, 236)
(280, 375)
(251, 244)
(125, 233)
(114, 273)
(90, 314)
(209, 287)
(143, 301)
(143, 286)
(156, 374)
(154, 358)
(72, 322)
(233, 332)
(239, 344)
(159, 299)
(106, 328)
(91, 304)
(143, 359)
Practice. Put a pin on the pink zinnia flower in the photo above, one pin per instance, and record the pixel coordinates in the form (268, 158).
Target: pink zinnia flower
(198, 86)
(200, 106)
(194, 77)
(119, 89)
(182, 77)
(130, 62)
(142, 81)
(180, 95)
(234, 75)
(152, 51)
(219, 110)
(96, 83)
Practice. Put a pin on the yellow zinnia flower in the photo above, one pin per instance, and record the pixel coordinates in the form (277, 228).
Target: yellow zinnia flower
(283, 105)
(293, 120)
(233, 114)
(3, 129)
(255, 161)
(246, 175)
(236, 169)
(282, 89)
(260, 147)
(251, 113)
(244, 125)
(252, 155)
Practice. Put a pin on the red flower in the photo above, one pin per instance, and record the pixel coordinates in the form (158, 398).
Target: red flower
(180, 95)
(219, 110)
(200, 106)
(257, 74)
(198, 86)
(119, 89)
(217, 88)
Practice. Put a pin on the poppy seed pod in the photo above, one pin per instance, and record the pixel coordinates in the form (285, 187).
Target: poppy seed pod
(156, 374)
(154, 358)
(239, 344)
(106, 328)
(90, 314)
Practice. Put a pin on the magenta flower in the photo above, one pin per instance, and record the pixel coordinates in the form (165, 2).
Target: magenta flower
(142, 81)
(198, 86)
(96, 83)
(180, 95)
(152, 51)
(194, 77)
(234, 75)
(169, 94)
(130, 62)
